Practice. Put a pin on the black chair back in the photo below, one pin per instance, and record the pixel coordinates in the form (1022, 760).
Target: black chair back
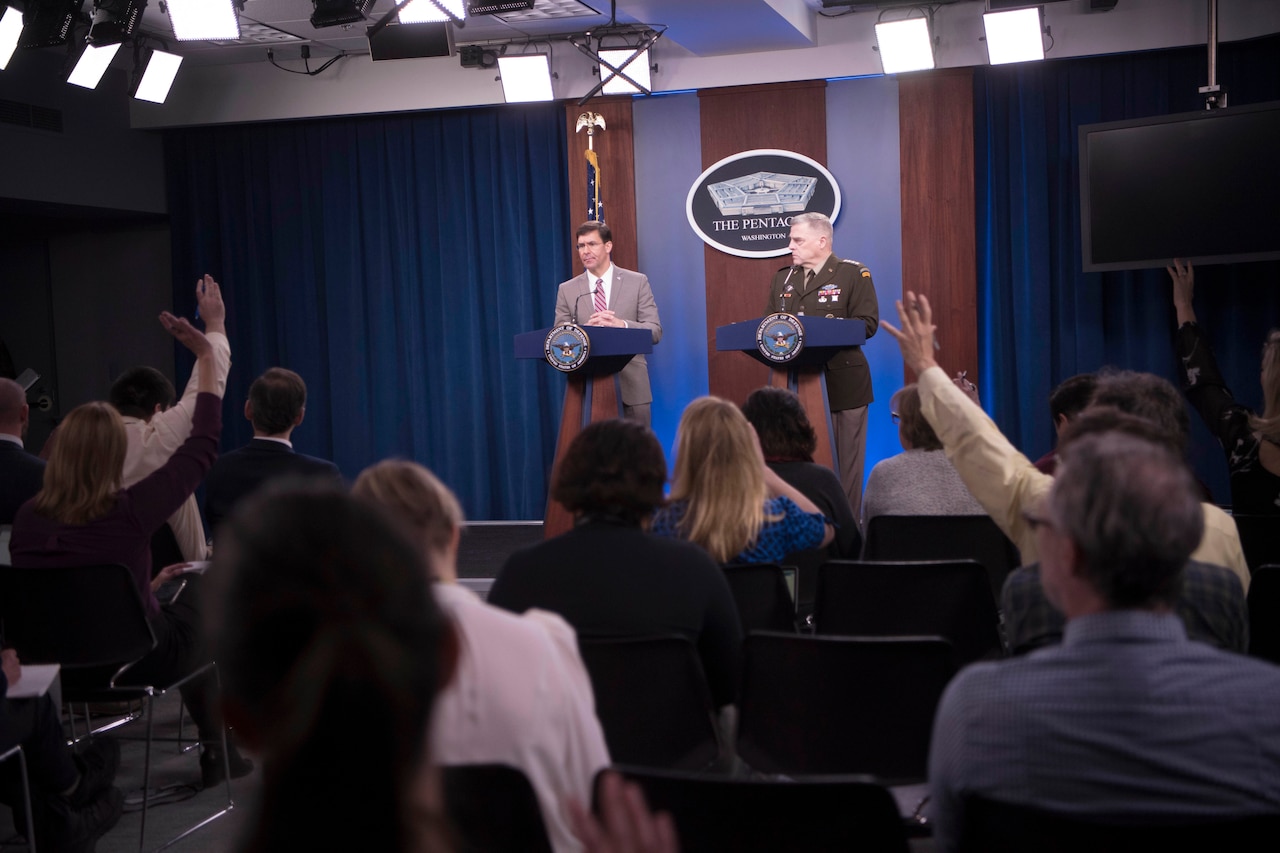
(946, 598)
(842, 704)
(1260, 539)
(1264, 613)
(995, 827)
(718, 813)
(652, 700)
(78, 616)
(493, 809)
(763, 599)
(943, 537)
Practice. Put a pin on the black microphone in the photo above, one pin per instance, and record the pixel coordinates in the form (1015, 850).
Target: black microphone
(575, 306)
(782, 299)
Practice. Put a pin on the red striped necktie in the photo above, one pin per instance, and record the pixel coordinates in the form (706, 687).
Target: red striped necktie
(600, 304)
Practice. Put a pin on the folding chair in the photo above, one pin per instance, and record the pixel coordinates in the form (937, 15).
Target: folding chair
(949, 599)
(91, 621)
(814, 705)
(760, 591)
(990, 826)
(716, 813)
(493, 808)
(26, 792)
(943, 537)
(652, 700)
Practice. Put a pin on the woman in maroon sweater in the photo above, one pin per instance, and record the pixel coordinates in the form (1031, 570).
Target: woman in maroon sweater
(83, 517)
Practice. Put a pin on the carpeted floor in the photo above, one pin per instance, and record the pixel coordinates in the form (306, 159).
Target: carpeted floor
(174, 772)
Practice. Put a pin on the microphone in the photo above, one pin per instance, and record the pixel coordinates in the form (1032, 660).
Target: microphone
(782, 299)
(575, 306)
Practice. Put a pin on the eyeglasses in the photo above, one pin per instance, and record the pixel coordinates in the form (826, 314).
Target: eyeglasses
(896, 417)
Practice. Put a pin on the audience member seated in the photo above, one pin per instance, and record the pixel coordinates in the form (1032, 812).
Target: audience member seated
(1002, 479)
(276, 406)
(1210, 603)
(82, 517)
(919, 480)
(1126, 718)
(1067, 400)
(521, 695)
(788, 441)
(156, 427)
(73, 801)
(333, 651)
(1251, 442)
(727, 500)
(21, 473)
(607, 576)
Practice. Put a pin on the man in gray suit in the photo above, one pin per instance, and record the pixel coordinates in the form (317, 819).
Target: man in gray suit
(606, 295)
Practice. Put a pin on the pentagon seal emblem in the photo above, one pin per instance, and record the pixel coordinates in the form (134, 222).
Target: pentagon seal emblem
(567, 347)
(780, 337)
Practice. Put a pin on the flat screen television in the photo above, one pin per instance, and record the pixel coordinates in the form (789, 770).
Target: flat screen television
(1203, 186)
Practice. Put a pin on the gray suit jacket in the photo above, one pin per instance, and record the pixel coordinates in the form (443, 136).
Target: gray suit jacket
(630, 299)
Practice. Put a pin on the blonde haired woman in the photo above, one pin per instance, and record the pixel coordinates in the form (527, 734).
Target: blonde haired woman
(521, 694)
(82, 517)
(725, 499)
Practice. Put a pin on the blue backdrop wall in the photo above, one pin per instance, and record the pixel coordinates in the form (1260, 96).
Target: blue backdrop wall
(390, 261)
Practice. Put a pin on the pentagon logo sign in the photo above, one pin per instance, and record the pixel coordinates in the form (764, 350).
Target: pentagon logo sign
(743, 205)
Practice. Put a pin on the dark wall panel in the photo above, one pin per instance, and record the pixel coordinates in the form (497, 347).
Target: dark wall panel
(791, 116)
(935, 113)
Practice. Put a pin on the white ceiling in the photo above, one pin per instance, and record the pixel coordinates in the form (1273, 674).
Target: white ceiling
(702, 27)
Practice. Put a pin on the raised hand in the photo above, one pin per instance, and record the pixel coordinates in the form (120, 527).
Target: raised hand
(209, 304)
(916, 337)
(1184, 290)
(186, 334)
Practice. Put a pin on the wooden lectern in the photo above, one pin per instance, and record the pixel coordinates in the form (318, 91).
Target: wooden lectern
(592, 393)
(804, 374)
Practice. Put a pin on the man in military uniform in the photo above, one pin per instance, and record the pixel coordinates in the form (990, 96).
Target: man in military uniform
(818, 284)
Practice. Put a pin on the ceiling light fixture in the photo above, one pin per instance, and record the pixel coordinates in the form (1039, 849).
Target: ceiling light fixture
(1014, 36)
(203, 20)
(526, 78)
(334, 13)
(10, 30)
(48, 23)
(92, 65)
(157, 79)
(114, 21)
(431, 11)
(905, 45)
(629, 62)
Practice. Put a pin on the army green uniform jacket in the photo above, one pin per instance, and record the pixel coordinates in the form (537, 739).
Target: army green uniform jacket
(839, 289)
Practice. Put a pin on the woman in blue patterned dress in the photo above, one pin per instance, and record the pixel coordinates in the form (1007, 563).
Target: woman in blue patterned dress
(725, 499)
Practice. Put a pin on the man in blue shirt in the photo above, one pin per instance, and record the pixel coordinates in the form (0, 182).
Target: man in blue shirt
(1127, 717)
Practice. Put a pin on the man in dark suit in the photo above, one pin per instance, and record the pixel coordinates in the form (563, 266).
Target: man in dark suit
(611, 296)
(21, 473)
(819, 284)
(276, 405)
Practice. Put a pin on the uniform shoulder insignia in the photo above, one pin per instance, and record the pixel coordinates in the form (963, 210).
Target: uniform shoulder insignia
(851, 261)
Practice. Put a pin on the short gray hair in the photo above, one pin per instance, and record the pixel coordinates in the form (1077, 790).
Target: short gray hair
(1131, 508)
(819, 222)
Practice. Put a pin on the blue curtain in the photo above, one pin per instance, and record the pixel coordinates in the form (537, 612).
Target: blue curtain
(390, 260)
(1041, 319)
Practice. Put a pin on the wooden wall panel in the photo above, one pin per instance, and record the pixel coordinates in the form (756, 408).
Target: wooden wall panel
(935, 113)
(615, 147)
(791, 116)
